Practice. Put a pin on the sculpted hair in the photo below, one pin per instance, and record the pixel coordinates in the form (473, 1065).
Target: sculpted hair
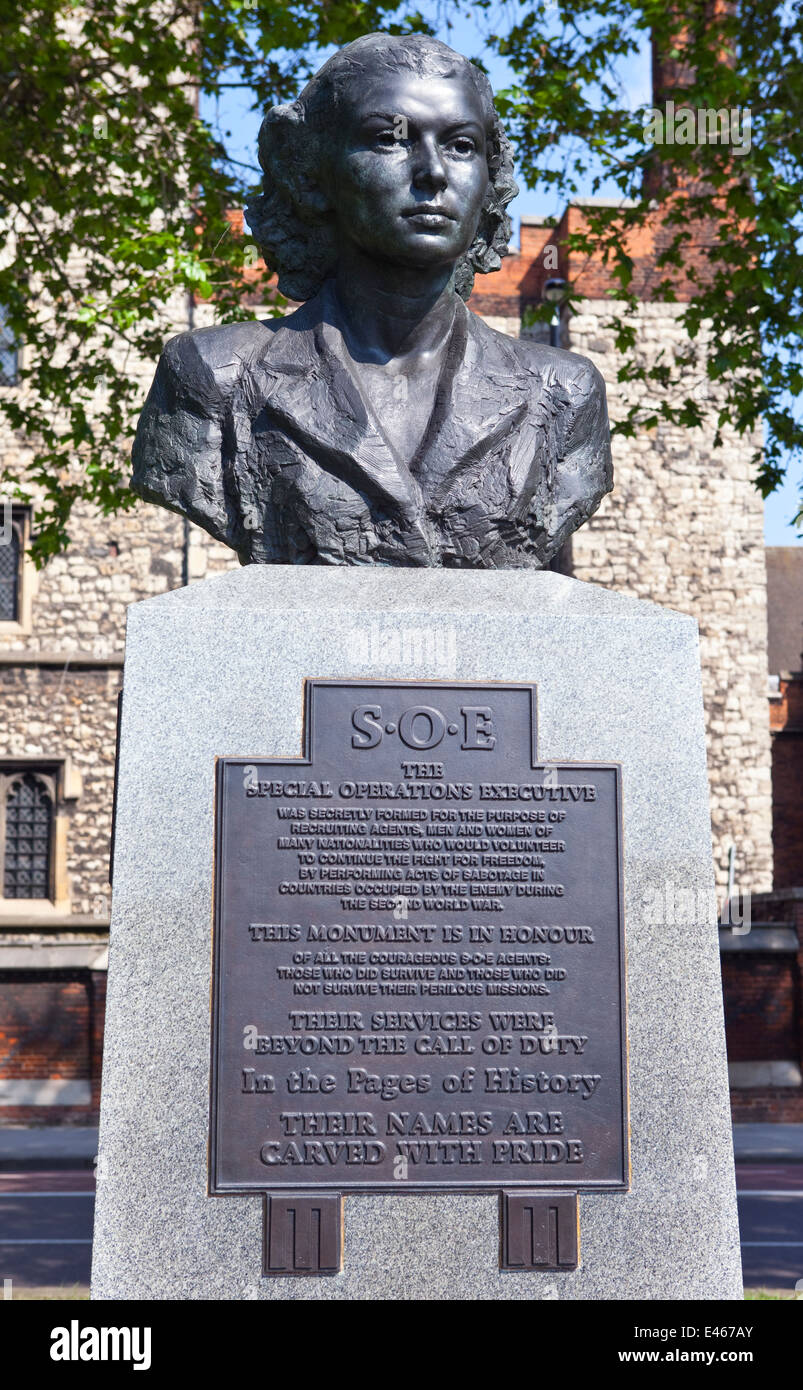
(290, 219)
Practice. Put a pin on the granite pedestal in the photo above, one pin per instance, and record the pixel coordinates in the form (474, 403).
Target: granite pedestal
(217, 669)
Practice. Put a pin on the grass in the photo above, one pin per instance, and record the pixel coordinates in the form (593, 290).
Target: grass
(759, 1294)
(61, 1293)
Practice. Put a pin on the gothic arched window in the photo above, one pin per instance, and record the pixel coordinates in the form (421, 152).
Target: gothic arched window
(9, 353)
(10, 567)
(27, 836)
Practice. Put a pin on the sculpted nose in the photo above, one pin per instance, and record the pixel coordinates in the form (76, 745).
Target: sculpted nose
(430, 171)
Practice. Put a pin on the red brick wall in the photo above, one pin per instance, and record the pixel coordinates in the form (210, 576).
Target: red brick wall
(762, 1007)
(786, 722)
(763, 996)
(780, 1105)
(520, 280)
(44, 1024)
(782, 906)
(97, 1020)
(51, 1026)
(42, 1116)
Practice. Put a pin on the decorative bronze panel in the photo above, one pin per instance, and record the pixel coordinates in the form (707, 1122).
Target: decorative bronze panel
(303, 1234)
(539, 1231)
(419, 954)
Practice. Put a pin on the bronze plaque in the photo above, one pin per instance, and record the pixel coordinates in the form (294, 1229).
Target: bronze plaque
(419, 954)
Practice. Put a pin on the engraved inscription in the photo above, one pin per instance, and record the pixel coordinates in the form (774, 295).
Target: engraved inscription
(419, 957)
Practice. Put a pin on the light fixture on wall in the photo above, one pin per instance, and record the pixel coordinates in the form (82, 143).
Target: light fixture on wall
(555, 292)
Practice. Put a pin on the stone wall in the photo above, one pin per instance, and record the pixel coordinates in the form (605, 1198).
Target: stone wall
(56, 712)
(684, 528)
(59, 685)
(54, 702)
(80, 598)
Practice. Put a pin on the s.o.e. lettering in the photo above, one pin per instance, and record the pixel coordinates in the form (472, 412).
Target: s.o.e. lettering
(423, 727)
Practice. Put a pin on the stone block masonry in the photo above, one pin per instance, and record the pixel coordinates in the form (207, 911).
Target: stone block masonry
(683, 527)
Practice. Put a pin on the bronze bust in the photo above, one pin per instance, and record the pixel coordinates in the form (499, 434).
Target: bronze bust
(382, 422)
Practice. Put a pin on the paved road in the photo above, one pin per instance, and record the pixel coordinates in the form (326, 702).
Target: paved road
(770, 1197)
(46, 1227)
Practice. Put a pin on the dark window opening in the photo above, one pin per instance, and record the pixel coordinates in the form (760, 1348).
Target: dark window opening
(9, 356)
(10, 567)
(28, 838)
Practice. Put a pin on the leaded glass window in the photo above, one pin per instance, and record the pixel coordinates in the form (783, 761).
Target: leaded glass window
(9, 361)
(28, 838)
(10, 555)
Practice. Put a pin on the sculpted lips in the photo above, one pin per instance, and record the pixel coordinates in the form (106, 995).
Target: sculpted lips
(429, 214)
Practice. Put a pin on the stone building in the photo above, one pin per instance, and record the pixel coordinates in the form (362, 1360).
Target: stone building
(683, 528)
(762, 970)
(62, 635)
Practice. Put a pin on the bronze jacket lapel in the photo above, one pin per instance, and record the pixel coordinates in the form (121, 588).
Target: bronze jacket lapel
(487, 400)
(488, 408)
(307, 388)
(516, 453)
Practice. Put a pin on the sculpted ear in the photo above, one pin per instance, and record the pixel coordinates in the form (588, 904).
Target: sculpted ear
(314, 200)
(314, 182)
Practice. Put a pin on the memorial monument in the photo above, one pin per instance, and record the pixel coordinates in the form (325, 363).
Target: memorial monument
(381, 421)
(433, 805)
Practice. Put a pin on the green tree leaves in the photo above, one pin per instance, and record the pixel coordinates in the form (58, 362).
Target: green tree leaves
(114, 197)
(742, 203)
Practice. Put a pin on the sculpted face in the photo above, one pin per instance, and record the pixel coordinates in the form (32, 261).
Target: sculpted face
(410, 172)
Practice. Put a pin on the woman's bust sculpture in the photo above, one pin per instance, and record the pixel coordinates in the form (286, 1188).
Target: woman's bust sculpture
(382, 422)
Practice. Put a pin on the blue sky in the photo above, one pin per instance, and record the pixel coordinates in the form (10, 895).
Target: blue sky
(466, 34)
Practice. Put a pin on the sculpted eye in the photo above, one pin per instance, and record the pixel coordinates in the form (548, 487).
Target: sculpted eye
(388, 140)
(463, 145)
